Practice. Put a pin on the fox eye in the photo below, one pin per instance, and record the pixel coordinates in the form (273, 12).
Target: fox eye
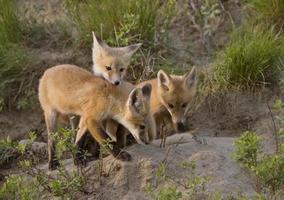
(184, 105)
(121, 70)
(108, 68)
(142, 127)
(170, 105)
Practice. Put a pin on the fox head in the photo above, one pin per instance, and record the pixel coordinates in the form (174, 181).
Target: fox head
(111, 62)
(138, 119)
(175, 93)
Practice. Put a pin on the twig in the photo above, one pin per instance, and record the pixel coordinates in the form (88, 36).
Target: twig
(274, 127)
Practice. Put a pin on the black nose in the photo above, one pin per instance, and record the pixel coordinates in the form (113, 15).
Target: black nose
(116, 82)
(180, 126)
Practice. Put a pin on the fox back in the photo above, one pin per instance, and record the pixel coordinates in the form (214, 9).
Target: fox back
(111, 62)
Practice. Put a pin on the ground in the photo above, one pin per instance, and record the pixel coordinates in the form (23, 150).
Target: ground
(219, 122)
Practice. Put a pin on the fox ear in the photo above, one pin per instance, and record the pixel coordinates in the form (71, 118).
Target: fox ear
(98, 46)
(164, 80)
(134, 99)
(190, 78)
(146, 90)
(128, 51)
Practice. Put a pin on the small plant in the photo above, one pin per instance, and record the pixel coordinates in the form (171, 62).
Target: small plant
(11, 150)
(268, 169)
(192, 184)
(20, 187)
(247, 149)
(253, 58)
(270, 172)
(278, 121)
(65, 142)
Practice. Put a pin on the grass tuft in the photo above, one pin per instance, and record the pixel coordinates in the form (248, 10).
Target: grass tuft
(13, 57)
(120, 22)
(269, 10)
(252, 59)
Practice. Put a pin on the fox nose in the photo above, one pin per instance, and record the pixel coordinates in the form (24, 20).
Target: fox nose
(117, 82)
(180, 126)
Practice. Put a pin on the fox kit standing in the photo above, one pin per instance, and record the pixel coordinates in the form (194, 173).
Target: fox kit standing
(171, 96)
(68, 89)
(111, 63)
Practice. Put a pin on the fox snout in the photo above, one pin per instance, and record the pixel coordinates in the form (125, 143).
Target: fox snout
(115, 79)
(180, 125)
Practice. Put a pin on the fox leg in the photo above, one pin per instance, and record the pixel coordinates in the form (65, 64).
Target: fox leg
(111, 129)
(51, 120)
(97, 133)
(80, 140)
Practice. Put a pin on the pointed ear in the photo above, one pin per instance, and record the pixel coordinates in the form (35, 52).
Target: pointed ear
(164, 80)
(98, 46)
(190, 79)
(134, 100)
(146, 90)
(130, 50)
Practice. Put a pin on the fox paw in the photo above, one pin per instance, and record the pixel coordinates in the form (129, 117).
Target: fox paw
(123, 156)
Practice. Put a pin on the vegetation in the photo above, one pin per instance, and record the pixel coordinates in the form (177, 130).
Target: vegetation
(247, 149)
(36, 183)
(268, 169)
(253, 58)
(11, 151)
(270, 11)
(127, 22)
(13, 58)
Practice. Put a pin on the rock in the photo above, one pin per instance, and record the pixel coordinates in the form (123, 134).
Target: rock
(39, 148)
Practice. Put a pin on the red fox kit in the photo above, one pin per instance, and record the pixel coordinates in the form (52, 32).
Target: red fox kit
(68, 89)
(171, 95)
(111, 62)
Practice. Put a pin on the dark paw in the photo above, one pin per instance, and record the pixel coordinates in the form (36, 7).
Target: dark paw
(123, 156)
(54, 164)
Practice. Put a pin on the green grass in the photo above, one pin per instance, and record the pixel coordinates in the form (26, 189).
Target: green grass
(13, 57)
(269, 10)
(119, 22)
(253, 58)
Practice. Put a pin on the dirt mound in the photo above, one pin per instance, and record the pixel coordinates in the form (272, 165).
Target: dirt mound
(128, 180)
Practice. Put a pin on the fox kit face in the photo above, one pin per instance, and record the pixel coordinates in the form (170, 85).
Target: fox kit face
(111, 62)
(138, 113)
(175, 94)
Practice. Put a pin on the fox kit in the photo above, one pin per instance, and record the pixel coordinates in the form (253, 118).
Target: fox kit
(171, 96)
(68, 89)
(111, 62)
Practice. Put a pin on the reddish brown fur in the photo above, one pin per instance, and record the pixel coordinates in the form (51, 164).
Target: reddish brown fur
(68, 89)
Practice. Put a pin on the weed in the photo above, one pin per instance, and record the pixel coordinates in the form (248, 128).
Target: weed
(14, 151)
(252, 59)
(13, 57)
(247, 149)
(270, 172)
(268, 169)
(20, 187)
(270, 11)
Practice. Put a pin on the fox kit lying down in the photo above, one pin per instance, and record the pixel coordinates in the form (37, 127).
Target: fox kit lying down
(111, 62)
(68, 89)
(171, 96)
